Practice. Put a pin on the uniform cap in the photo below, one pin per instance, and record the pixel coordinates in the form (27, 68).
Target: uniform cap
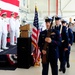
(57, 17)
(64, 21)
(5, 13)
(48, 19)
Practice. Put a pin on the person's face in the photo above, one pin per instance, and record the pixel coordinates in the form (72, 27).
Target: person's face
(48, 25)
(57, 22)
(64, 24)
(13, 15)
(0, 11)
(70, 26)
(17, 17)
(4, 16)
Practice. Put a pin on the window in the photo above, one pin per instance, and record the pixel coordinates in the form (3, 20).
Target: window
(23, 2)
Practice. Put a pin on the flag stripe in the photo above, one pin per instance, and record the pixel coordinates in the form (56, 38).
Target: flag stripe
(35, 30)
(14, 2)
(34, 37)
(33, 33)
(9, 7)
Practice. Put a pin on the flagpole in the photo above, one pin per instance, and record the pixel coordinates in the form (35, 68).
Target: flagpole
(36, 4)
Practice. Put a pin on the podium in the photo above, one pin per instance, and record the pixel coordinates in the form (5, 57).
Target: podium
(24, 52)
(25, 31)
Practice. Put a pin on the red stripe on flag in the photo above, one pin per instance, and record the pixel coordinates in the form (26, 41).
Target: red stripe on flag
(13, 2)
(34, 30)
(35, 37)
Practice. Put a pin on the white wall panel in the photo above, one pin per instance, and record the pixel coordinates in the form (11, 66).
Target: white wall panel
(65, 9)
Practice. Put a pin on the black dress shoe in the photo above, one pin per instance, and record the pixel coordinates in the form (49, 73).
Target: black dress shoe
(60, 69)
(63, 70)
(68, 65)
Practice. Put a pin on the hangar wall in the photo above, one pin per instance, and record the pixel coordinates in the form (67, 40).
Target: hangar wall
(65, 8)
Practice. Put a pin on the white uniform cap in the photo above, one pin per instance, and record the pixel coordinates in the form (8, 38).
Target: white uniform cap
(5, 13)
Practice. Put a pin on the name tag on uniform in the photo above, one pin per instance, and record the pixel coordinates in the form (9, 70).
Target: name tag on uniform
(53, 33)
(63, 41)
(43, 35)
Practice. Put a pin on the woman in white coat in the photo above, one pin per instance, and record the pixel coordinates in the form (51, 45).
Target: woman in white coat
(17, 29)
(12, 29)
(4, 30)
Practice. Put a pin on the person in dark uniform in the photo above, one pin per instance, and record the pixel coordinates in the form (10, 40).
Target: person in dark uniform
(52, 51)
(58, 23)
(71, 39)
(64, 43)
(73, 29)
(64, 47)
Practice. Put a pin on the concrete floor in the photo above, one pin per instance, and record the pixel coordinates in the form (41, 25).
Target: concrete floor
(37, 70)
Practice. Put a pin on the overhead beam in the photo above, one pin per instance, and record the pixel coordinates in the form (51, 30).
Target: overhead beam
(48, 7)
(56, 7)
(66, 4)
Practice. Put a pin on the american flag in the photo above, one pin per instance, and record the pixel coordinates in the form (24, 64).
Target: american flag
(9, 6)
(35, 36)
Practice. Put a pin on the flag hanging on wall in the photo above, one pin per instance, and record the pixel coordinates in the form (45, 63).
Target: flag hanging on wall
(35, 37)
(9, 6)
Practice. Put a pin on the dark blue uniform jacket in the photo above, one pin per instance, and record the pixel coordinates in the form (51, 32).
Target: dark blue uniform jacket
(71, 36)
(52, 47)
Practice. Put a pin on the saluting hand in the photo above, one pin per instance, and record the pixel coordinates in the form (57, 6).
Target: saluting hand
(43, 52)
(48, 40)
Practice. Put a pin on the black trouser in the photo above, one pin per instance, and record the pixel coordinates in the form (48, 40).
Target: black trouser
(74, 36)
(62, 57)
(54, 65)
(67, 54)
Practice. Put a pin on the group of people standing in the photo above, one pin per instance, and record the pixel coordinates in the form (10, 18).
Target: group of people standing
(14, 25)
(59, 45)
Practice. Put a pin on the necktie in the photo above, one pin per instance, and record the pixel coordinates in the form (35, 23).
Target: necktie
(57, 27)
